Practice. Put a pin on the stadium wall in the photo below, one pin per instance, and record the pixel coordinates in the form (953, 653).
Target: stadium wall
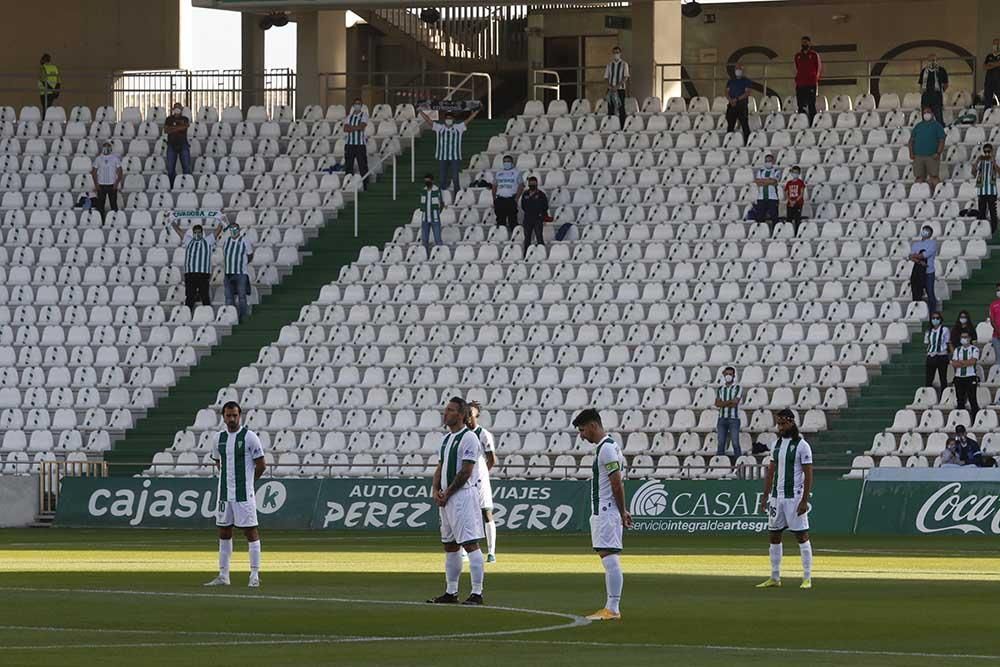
(88, 39)
(18, 500)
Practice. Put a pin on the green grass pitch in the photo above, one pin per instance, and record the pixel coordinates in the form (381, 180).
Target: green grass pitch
(134, 597)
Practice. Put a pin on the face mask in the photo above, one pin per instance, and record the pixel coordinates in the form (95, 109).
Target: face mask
(507, 164)
(199, 234)
(963, 319)
(107, 150)
(966, 341)
(928, 116)
(177, 112)
(805, 47)
(429, 184)
(769, 163)
(933, 64)
(728, 378)
(356, 107)
(533, 186)
(795, 174)
(617, 56)
(739, 74)
(234, 232)
(998, 293)
(449, 122)
(925, 233)
(996, 46)
(936, 321)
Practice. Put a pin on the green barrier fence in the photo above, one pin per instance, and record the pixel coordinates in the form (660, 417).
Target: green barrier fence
(657, 506)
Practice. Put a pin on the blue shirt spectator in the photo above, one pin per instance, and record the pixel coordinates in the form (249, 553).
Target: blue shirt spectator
(737, 86)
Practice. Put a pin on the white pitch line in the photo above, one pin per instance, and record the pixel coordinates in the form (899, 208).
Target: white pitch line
(191, 633)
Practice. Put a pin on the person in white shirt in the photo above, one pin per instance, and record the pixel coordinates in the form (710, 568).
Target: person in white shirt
(507, 188)
(487, 459)
(608, 513)
(108, 178)
(787, 486)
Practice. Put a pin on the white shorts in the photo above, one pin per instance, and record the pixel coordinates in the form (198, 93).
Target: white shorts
(242, 514)
(485, 493)
(783, 513)
(606, 531)
(462, 518)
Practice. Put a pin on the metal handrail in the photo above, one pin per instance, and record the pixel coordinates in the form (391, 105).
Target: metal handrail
(470, 76)
(358, 185)
(543, 85)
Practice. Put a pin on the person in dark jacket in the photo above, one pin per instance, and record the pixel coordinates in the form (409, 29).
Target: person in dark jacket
(535, 205)
(968, 449)
(963, 325)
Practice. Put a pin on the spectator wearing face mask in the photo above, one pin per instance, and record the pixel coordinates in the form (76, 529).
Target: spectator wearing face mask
(766, 178)
(994, 317)
(795, 198)
(535, 205)
(926, 148)
(991, 89)
(431, 205)
(616, 73)
(922, 254)
(356, 141)
(738, 106)
(727, 400)
(964, 360)
(197, 263)
(933, 85)
(108, 178)
(985, 168)
(967, 449)
(508, 186)
(237, 254)
(808, 69)
(938, 343)
(963, 325)
(176, 126)
(449, 147)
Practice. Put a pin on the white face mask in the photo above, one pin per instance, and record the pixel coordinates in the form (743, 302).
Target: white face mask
(356, 107)
(963, 319)
(728, 378)
(998, 293)
(936, 321)
(449, 122)
(769, 163)
(507, 164)
(739, 74)
(966, 341)
(616, 56)
(234, 232)
(928, 116)
(107, 150)
(795, 174)
(177, 112)
(925, 233)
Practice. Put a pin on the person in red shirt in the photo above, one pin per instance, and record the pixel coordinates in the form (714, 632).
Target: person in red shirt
(995, 321)
(808, 68)
(795, 198)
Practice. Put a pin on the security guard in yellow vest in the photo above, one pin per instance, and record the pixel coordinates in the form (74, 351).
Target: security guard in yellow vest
(49, 82)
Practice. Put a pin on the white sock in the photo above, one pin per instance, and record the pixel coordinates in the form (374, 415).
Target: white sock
(491, 538)
(254, 548)
(806, 550)
(775, 552)
(225, 554)
(614, 580)
(476, 570)
(452, 571)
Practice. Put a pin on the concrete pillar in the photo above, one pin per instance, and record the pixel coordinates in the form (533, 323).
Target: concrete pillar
(252, 39)
(321, 58)
(656, 38)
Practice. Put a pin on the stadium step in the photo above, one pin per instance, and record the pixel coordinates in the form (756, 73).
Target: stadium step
(333, 248)
(872, 410)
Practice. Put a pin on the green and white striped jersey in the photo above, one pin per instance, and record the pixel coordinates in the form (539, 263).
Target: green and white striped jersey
(607, 461)
(964, 353)
(198, 253)
(789, 455)
(986, 178)
(236, 453)
(431, 203)
(449, 141)
(486, 444)
(235, 254)
(729, 392)
(456, 449)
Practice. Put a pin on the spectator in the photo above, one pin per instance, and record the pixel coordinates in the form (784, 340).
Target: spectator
(963, 326)
(356, 141)
(795, 198)
(926, 147)
(964, 360)
(616, 73)
(738, 107)
(967, 448)
(49, 81)
(507, 189)
(431, 205)
(237, 254)
(727, 399)
(994, 317)
(938, 342)
(176, 126)
(986, 185)
(197, 263)
(535, 205)
(449, 147)
(108, 178)
(933, 85)
(808, 69)
(950, 457)
(767, 178)
(991, 90)
(922, 254)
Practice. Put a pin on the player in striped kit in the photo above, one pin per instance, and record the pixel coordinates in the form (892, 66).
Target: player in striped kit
(787, 486)
(986, 185)
(608, 512)
(240, 457)
(449, 147)
(237, 253)
(487, 459)
(198, 249)
(456, 491)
